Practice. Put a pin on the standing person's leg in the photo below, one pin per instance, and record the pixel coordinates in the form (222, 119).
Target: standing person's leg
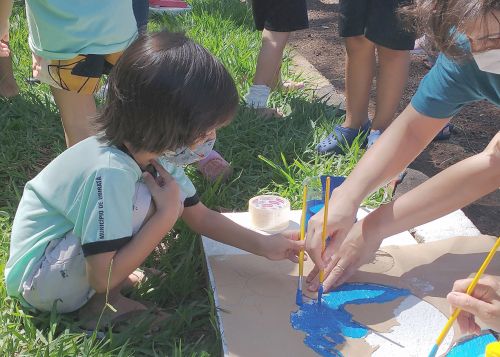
(270, 57)
(8, 85)
(276, 19)
(392, 77)
(385, 28)
(76, 110)
(73, 84)
(359, 71)
(141, 14)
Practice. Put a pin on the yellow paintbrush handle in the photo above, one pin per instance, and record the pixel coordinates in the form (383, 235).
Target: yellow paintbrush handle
(303, 229)
(325, 219)
(470, 290)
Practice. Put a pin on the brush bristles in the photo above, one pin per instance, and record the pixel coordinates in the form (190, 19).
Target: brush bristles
(320, 294)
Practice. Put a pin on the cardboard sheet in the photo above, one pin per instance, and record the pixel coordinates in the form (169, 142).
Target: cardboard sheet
(256, 297)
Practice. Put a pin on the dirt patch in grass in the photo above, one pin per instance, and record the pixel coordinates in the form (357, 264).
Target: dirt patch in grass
(475, 125)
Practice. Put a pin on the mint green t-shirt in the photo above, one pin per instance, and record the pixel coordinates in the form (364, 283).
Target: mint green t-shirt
(89, 190)
(63, 29)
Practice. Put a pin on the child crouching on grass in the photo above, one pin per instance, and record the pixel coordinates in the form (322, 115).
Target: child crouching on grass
(87, 221)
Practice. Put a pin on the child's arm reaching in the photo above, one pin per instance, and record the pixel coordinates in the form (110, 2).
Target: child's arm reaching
(214, 225)
(165, 194)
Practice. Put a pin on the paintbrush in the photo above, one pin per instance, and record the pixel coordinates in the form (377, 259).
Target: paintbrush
(298, 296)
(470, 290)
(323, 236)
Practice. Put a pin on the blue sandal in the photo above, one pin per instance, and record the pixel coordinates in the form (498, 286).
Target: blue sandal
(342, 138)
(445, 133)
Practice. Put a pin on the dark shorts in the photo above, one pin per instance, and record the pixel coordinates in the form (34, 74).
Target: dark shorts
(280, 15)
(377, 20)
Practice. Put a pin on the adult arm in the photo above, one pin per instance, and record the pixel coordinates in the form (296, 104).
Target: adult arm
(398, 146)
(451, 189)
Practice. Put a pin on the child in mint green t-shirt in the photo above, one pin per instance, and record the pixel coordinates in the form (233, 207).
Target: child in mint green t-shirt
(104, 204)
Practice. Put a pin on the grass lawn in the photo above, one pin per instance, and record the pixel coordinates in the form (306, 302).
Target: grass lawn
(267, 156)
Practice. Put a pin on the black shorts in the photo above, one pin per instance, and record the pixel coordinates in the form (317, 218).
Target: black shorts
(377, 20)
(280, 15)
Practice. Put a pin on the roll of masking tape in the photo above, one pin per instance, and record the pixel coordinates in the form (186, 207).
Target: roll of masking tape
(269, 213)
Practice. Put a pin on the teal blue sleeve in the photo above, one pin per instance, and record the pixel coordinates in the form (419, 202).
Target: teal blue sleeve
(186, 186)
(446, 88)
(105, 217)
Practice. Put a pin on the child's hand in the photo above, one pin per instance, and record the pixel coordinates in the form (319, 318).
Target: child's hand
(164, 191)
(282, 246)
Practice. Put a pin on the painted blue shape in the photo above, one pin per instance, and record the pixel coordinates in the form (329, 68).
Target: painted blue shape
(326, 325)
(335, 181)
(312, 207)
(474, 346)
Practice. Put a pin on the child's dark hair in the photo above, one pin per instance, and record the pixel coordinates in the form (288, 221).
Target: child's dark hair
(165, 92)
(443, 21)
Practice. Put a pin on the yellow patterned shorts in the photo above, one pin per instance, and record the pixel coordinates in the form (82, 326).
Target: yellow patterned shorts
(81, 74)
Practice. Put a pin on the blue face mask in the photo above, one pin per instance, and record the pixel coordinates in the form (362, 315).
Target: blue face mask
(185, 156)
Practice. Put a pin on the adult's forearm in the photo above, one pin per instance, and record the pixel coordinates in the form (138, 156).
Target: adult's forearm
(398, 146)
(450, 190)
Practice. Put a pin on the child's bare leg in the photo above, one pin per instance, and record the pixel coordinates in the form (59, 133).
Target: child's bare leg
(391, 80)
(359, 70)
(8, 85)
(76, 111)
(270, 58)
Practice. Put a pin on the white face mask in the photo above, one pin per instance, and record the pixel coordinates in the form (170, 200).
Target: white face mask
(185, 156)
(488, 61)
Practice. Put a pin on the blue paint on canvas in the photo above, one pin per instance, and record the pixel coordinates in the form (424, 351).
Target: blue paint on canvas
(327, 325)
(472, 347)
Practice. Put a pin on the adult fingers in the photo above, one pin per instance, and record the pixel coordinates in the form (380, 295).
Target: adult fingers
(314, 246)
(313, 274)
(467, 323)
(470, 304)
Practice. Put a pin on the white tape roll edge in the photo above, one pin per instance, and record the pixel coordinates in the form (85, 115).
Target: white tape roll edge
(269, 213)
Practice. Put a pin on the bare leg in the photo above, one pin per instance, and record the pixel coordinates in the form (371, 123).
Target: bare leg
(270, 58)
(76, 111)
(8, 85)
(359, 70)
(391, 80)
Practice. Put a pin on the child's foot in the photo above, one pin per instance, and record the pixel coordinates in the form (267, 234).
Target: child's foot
(90, 315)
(342, 138)
(8, 85)
(139, 276)
(268, 113)
(288, 86)
(214, 167)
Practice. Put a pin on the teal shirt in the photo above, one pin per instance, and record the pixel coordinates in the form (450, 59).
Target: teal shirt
(63, 29)
(450, 85)
(88, 189)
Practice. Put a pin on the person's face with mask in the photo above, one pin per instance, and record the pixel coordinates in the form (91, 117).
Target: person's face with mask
(196, 152)
(484, 38)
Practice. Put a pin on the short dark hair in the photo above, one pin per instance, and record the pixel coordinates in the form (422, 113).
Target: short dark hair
(443, 21)
(165, 92)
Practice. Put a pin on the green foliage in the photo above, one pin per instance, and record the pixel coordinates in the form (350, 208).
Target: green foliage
(267, 156)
